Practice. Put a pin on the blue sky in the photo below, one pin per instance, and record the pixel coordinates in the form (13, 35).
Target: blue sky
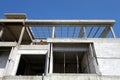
(65, 9)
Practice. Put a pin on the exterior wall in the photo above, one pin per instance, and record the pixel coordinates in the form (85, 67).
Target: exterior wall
(107, 52)
(108, 55)
(62, 77)
(79, 77)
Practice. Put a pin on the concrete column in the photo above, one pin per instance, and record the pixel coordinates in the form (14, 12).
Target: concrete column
(28, 31)
(12, 63)
(51, 60)
(47, 60)
(64, 62)
(53, 32)
(94, 59)
(21, 35)
(1, 32)
(113, 33)
(77, 60)
(84, 32)
(81, 32)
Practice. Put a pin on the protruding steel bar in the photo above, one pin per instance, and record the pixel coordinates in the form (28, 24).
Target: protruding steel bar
(81, 32)
(90, 32)
(96, 32)
(74, 31)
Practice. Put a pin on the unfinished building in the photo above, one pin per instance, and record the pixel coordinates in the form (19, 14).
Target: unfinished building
(58, 49)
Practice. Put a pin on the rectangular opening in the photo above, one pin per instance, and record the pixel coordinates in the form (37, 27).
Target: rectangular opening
(4, 54)
(72, 58)
(31, 65)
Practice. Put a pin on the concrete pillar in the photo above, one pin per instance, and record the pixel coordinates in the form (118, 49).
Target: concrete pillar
(12, 63)
(81, 32)
(21, 35)
(53, 32)
(47, 60)
(77, 60)
(113, 33)
(1, 32)
(94, 59)
(28, 31)
(84, 32)
(51, 60)
(64, 62)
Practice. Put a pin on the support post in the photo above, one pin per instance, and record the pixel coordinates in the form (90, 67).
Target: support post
(81, 32)
(53, 32)
(64, 62)
(47, 60)
(21, 35)
(28, 31)
(51, 60)
(1, 32)
(113, 33)
(77, 59)
(94, 59)
(84, 32)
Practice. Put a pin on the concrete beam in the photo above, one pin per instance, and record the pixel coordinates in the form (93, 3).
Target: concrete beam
(70, 49)
(8, 44)
(31, 52)
(15, 16)
(35, 47)
(59, 22)
(87, 40)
